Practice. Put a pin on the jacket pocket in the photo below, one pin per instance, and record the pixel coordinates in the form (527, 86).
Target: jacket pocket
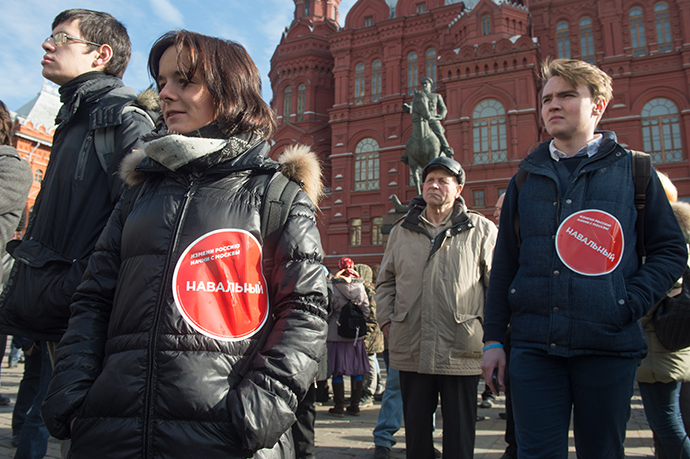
(398, 338)
(83, 157)
(48, 281)
(468, 336)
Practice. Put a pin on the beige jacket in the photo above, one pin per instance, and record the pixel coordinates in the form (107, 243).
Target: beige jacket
(432, 292)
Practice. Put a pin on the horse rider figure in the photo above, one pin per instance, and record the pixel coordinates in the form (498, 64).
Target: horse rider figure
(437, 113)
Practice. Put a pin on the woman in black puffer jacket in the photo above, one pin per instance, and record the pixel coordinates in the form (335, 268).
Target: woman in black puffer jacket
(177, 346)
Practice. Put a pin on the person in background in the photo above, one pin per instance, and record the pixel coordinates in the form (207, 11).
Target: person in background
(373, 342)
(573, 305)
(347, 357)
(430, 295)
(662, 373)
(16, 178)
(153, 364)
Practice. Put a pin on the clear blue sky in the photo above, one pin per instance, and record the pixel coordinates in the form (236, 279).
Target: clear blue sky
(24, 24)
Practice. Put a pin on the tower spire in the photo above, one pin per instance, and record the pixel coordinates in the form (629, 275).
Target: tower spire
(317, 10)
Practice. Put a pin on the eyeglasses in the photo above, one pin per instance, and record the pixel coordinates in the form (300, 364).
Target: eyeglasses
(61, 38)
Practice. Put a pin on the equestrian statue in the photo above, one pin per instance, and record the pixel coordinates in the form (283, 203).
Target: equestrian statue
(428, 140)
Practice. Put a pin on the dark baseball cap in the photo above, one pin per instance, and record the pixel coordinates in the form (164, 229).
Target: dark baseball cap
(448, 164)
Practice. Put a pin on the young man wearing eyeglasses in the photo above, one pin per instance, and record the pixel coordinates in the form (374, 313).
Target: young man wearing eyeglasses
(86, 55)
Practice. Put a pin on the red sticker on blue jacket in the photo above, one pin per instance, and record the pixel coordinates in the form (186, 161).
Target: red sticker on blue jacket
(590, 242)
(219, 286)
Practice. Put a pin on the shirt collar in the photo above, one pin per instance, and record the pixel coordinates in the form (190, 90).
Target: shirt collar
(588, 150)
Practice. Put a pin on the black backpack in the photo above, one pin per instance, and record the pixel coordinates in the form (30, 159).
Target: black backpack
(352, 323)
(672, 318)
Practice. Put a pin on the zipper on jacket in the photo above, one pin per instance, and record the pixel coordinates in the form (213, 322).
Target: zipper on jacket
(153, 337)
(83, 156)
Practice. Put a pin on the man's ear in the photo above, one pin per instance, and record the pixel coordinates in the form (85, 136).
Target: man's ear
(460, 187)
(105, 53)
(600, 106)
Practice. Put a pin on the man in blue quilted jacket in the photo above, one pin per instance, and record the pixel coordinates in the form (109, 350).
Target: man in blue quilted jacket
(571, 282)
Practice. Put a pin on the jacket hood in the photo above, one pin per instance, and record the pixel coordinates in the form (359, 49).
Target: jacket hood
(297, 162)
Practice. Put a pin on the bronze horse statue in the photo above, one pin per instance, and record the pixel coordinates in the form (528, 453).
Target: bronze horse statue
(423, 145)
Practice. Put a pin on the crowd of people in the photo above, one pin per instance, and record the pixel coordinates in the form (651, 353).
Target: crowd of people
(167, 305)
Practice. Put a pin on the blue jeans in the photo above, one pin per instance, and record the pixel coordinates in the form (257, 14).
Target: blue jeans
(33, 439)
(545, 389)
(391, 412)
(663, 414)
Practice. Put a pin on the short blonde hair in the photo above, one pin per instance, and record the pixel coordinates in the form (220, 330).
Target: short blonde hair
(669, 187)
(576, 72)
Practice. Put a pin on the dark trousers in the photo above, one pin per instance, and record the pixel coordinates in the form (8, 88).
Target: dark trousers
(28, 387)
(33, 438)
(420, 394)
(545, 389)
(303, 428)
(512, 448)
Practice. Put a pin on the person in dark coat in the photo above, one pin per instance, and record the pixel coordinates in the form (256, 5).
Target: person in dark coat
(180, 344)
(86, 54)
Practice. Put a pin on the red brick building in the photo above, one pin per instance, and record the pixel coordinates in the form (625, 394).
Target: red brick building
(341, 90)
(32, 134)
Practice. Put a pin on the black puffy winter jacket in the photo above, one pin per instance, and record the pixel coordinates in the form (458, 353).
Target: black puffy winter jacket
(141, 377)
(76, 198)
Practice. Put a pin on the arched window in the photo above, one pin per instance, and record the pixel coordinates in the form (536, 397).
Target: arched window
(486, 24)
(661, 131)
(663, 27)
(367, 165)
(287, 105)
(359, 84)
(412, 72)
(38, 176)
(431, 64)
(586, 40)
(376, 236)
(638, 41)
(306, 8)
(376, 80)
(301, 94)
(489, 132)
(563, 40)
(356, 231)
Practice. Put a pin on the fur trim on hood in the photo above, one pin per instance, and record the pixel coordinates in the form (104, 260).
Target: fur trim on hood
(149, 100)
(298, 163)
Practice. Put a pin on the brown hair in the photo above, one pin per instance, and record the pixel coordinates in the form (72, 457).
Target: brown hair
(5, 124)
(102, 28)
(576, 72)
(230, 75)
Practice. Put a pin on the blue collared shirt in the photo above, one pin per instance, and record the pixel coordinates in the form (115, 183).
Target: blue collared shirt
(588, 150)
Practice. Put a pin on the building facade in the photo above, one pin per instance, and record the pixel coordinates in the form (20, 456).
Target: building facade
(341, 90)
(32, 134)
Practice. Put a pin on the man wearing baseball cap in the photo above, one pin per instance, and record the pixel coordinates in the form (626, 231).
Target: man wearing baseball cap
(430, 293)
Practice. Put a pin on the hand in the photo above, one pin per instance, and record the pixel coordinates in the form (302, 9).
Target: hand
(385, 329)
(494, 358)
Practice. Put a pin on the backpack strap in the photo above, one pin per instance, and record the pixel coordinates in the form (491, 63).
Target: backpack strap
(641, 173)
(278, 198)
(104, 137)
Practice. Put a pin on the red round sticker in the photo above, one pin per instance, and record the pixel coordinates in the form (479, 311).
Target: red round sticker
(219, 287)
(590, 242)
